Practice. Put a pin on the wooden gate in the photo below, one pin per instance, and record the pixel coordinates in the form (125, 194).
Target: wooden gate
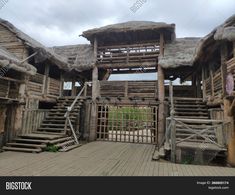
(127, 123)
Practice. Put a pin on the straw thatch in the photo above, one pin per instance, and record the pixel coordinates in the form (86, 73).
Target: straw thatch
(224, 32)
(179, 53)
(80, 57)
(124, 31)
(10, 61)
(43, 52)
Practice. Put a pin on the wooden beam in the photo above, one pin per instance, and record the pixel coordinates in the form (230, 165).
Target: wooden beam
(46, 80)
(161, 95)
(223, 53)
(212, 80)
(203, 84)
(95, 94)
(111, 65)
(61, 84)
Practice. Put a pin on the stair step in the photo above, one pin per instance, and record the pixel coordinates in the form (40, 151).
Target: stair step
(34, 150)
(195, 145)
(53, 125)
(67, 143)
(190, 113)
(40, 135)
(191, 109)
(60, 140)
(58, 117)
(189, 106)
(50, 133)
(70, 148)
(26, 145)
(31, 140)
(50, 129)
(191, 117)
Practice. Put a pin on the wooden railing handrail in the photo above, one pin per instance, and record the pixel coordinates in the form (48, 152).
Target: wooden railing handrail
(69, 109)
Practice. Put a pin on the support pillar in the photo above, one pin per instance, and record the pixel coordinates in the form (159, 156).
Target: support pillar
(231, 143)
(161, 96)
(95, 94)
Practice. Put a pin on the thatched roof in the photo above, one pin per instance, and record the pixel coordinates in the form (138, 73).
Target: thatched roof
(132, 31)
(80, 57)
(10, 61)
(179, 53)
(43, 52)
(224, 32)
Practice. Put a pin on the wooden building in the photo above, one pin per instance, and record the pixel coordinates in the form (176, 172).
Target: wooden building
(191, 118)
(37, 88)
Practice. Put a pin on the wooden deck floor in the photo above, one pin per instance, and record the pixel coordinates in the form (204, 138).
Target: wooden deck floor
(101, 159)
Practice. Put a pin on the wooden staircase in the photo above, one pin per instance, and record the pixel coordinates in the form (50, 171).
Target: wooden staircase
(188, 108)
(52, 130)
(190, 128)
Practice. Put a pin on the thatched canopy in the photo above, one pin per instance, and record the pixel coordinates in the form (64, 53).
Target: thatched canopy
(179, 53)
(131, 32)
(80, 57)
(10, 61)
(208, 44)
(43, 52)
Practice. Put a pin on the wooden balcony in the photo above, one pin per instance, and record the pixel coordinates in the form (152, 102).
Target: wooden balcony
(9, 88)
(42, 87)
(128, 55)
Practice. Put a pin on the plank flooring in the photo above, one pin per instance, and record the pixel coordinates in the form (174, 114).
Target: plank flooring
(101, 159)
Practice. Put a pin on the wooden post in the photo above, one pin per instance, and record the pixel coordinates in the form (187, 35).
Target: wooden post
(161, 95)
(212, 81)
(223, 67)
(231, 143)
(46, 80)
(95, 94)
(22, 89)
(172, 123)
(194, 85)
(61, 84)
(203, 84)
(73, 93)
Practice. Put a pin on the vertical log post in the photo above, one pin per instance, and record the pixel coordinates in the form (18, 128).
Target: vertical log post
(224, 53)
(95, 94)
(73, 88)
(161, 96)
(46, 80)
(212, 81)
(203, 84)
(231, 143)
(61, 84)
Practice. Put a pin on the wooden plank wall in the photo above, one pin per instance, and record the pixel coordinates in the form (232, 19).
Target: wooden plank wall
(9, 41)
(128, 89)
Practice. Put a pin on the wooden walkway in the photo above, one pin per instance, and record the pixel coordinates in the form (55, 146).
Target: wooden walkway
(101, 159)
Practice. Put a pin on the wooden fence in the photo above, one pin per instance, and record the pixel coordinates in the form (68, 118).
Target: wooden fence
(32, 119)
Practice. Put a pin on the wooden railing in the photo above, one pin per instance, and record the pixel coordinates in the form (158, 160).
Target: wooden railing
(128, 53)
(69, 110)
(54, 87)
(37, 86)
(32, 119)
(9, 88)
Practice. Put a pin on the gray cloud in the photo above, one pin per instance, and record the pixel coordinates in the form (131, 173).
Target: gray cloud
(59, 22)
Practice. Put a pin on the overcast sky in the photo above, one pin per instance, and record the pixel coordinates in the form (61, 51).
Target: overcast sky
(60, 22)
